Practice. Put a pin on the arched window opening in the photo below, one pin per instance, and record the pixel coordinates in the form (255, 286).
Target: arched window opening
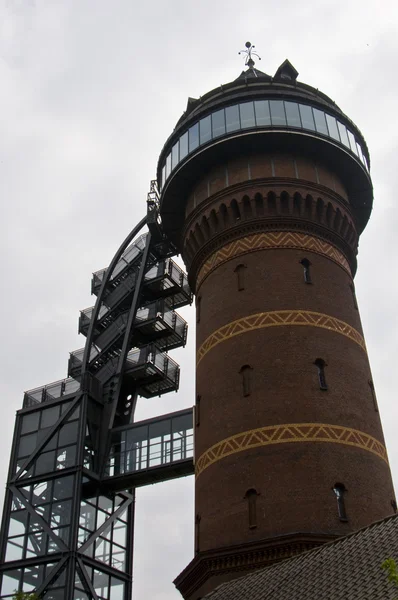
(307, 270)
(340, 491)
(246, 374)
(197, 410)
(240, 276)
(354, 296)
(235, 210)
(373, 392)
(297, 204)
(251, 497)
(198, 308)
(247, 208)
(320, 364)
(284, 201)
(258, 200)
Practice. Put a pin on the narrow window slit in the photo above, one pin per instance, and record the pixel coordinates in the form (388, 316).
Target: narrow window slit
(340, 491)
(197, 410)
(373, 392)
(320, 364)
(246, 373)
(354, 296)
(198, 308)
(251, 497)
(240, 277)
(307, 271)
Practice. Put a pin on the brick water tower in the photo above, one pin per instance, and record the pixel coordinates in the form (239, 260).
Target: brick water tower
(265, 191)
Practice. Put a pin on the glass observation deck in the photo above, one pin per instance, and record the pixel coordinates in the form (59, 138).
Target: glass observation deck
(51, 391)
(152, 450)
(153, 371)
(260, 114)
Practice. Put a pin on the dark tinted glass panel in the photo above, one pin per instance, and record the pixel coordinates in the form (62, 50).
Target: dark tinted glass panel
(343, 134)
(30, 422)
(263, 117)
(218, 122)
(49, 416)
(65, 457)
(45, 463)
(160, 428)
(307, 118)
(351, 139)
(277, 112)
(182, 423)
(63, 487)
(320, 121)
(332, 125)
(27, 444)
(168, 165)
(247, 115)
(232, 118)
(68, 434)
(137, 434)
(184, 145)
(292, 114)
(193, 137)
(205, 129)
(174, 156)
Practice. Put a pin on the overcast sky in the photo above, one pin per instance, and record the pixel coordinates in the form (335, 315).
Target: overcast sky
(90, 91)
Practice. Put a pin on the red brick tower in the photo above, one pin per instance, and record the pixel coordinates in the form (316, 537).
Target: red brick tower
(266, 189)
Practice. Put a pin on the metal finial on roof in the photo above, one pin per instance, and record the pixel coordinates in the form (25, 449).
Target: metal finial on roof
(249, 52)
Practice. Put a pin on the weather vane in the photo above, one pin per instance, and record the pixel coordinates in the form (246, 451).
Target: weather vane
(249, 51)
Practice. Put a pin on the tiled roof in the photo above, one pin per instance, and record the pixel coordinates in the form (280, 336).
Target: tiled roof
(348, 568)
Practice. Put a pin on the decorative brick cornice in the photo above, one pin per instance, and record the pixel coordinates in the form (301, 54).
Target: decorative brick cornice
(270, 240)
(287, 434)
(278, 318)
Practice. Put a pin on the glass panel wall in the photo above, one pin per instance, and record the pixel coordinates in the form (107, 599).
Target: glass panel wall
(260, 113)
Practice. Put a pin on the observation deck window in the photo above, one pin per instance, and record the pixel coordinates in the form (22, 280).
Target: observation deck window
(332, 126)
(205, 129)
(232, 118)
(307, 117)
(351, 139)
(193, 137)
(247, 115)
(168, 165)
(184, 145)
(292, 114)
(218, 123)
(343, 135)
(174, 156)
(320, 121)
(278, 116)
(263, 116)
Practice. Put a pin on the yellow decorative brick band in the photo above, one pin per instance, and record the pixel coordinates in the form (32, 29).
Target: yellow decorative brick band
(279, 318)
(276, 239)
(291, 433)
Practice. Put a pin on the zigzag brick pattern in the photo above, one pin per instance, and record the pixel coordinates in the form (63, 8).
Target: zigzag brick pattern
(278, 239)
(279, 318)
(291, 433)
